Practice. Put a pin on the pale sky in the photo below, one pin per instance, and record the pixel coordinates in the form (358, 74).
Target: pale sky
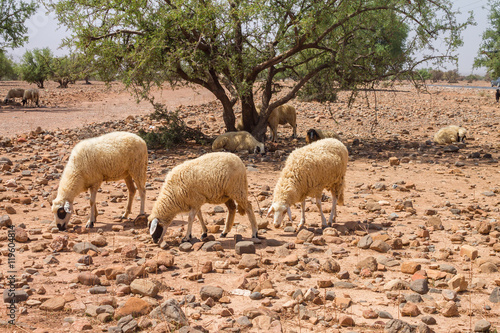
(45, 32)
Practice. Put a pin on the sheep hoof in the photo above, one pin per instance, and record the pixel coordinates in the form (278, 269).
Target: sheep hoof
(186, 239)
(89, 225)
(204, 235)
(223, 235)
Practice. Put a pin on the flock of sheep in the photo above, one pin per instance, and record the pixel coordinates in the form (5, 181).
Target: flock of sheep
(214, 178)
(32, 95)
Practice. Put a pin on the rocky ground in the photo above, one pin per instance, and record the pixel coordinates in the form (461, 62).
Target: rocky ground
(415, 248)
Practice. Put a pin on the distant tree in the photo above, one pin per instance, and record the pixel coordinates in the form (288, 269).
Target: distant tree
(229, 47)
(7, 68)
(13, 15)
(436, 75)
(452, 76)
(35, 66)
(489, 51)
(425, 73)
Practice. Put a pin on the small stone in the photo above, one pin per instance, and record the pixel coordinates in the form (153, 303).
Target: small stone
(458, 283)
(325, 283)
(290, 260)
(495, 295)
(450, 310)
(420, 286)
(469, 251)
(211, 291)
(129, 251)
(88, 279)
(133, 306)
(170, 311)
(59, 243)
(410, 310)
(368, 262)
(20, 235)
(365, 242)
(144, 287)
(449, 295)
(429, 320)
(410, 267)
(330, 266)
(207, 267)
(482, 325)
(185, 247)
(81, 325)
(245, 247)
(393, 161)
(212, 246)
(346, 321)
(53, 304)
(305, 235)
(370, 314)
(488, 267)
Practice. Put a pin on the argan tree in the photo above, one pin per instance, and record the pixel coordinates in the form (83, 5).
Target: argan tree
(35, 66)
(13, 15)
(489, 50)
(231, 46)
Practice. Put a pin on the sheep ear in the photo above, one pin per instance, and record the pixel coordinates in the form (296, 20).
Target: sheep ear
(67, 207)
(153, 226)
(269, 211)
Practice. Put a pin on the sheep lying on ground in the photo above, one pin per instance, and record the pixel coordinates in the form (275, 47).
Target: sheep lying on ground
(236, 141)
(110, 157)
(213, 178)
(32, 95)
(282, 115)
(317, 134)
(13, 94)
(307, 171)
(450, 134)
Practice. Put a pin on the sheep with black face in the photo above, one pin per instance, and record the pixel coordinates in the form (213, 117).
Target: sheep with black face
(110, 157)
(450, 134)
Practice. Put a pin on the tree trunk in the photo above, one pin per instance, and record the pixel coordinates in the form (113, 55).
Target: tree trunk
(249, 113)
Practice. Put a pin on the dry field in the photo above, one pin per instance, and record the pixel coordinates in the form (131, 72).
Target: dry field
(415, 248)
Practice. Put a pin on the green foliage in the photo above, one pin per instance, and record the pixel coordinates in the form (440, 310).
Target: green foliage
(13, 15)
(7, 68)
(35, 66)
(68, 69)
(227, 46)
(489, 51)
(173, 132)
(425, 73)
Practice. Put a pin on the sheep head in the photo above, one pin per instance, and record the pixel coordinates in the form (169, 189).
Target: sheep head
(155, 230)
(259, 149)
(279, 213)
(462, 132)
(62, 213)
(312, 135)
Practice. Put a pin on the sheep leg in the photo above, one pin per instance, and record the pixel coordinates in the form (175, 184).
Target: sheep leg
(303, 215)
(203, 225)
(93, 207)
(333, 213)
(323, 219)
(253, 221)
(131, 193)
(231, 212)
(142, 195)
(192, 213)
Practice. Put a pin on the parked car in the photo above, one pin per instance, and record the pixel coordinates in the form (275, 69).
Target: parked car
(495, 83)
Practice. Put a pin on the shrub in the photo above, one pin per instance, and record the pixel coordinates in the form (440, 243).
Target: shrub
(173, 132)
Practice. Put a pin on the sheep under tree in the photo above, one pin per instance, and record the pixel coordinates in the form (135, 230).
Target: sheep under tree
(230, 47)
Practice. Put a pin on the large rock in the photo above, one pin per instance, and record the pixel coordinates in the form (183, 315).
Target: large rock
(133, 306)
(365, 242)
(16, 296)
(170, 311)
(5, 221)
(305, 235)
(21, 236)
(211, 291)
(144, 287)
(398, 326)
(88, 279)
(330, 266)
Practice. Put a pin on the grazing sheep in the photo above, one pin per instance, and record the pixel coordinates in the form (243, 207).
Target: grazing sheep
(309, 170)
(110, 157)
(213, 178)
(450, 134)
(13, 94)
(33, 95)
(282, 115)
(236, 141)
(317, 134)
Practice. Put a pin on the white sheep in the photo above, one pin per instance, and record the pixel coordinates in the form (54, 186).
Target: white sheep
(307, 171)
(212, 178)
(13, 94)
(33, 95)
(236, 141)
(317, 134)
(282, 115)
(450, 134)
(110, 157)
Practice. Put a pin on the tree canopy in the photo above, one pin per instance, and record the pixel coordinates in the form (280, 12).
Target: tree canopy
(35, 66)
(13, 15)
(489, 50)
(229, 47)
